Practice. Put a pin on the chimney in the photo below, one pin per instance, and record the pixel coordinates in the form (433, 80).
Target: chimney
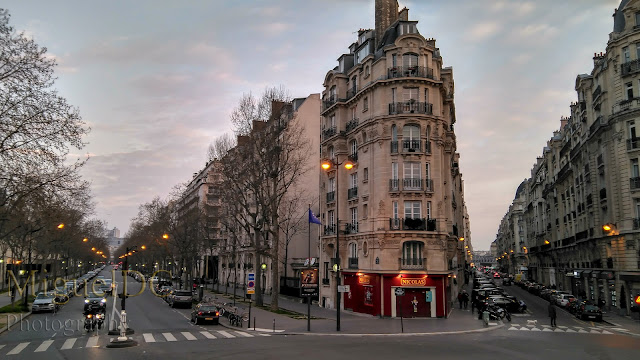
(386, 14)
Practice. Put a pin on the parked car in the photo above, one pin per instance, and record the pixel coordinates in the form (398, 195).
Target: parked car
(45, 302)
(180, 297)
(589, 312)
(564, 299)
(510, 305)
(205, 312)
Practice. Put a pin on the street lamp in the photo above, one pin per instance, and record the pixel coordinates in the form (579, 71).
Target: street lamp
(327, 165)
(128, 252)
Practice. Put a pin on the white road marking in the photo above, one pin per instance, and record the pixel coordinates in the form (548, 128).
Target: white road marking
(535, 329)
(148, 338)
(44, 346)
(225, 334)
(606, 332)
(18, 349)
(524, 328)
(243, 334)
(267, 330)
(54, 334)
(560, 330)
(263, 334)
(207, 334)
(571, 331)
(68, 344)
(188, 335)
(92, 342)
(585, 332)
(547, 329)
(1, 346)
(513, 328)
(169, 337)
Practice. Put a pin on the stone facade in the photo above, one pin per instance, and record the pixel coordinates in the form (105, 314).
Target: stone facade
(577, 216)
(399, 212)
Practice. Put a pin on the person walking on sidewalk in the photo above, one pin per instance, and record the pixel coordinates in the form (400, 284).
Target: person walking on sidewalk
(552, 313)
(460, 299)
(465, 299)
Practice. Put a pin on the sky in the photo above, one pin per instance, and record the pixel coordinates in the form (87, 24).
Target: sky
(156, 80)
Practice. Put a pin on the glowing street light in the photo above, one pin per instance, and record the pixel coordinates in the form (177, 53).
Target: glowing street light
(85, 240)
(61, 226)
(165, 236)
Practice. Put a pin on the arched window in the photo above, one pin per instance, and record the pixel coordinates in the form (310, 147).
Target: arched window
(412, 254)
(411, 138)
(409, 60)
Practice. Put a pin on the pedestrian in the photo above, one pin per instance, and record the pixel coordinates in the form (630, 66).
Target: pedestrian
(460, 299)
(601, 304)
(465, 299)
(473, 306)
(552, 313)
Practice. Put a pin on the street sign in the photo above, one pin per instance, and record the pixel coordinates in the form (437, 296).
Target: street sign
(429, 296)
(344, 288)
(399, 291)
(251, 284)
(637, 300)
(309, 282)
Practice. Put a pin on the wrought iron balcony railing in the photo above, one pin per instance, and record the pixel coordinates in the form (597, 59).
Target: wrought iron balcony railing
(427, 147)
(394, 184)
(394, 147)
(633, 143)
(411, 184)
(331, 196)
(412, 224)
(330, 229)
(410, 107)
(417, 263)
(411, 145)
(634, 183)
(630, 67)
(352, 124)
(329, 132)
(351, 228)
(353, 263)
(352, 192)
(411, 71)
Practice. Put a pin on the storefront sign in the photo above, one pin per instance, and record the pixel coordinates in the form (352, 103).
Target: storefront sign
(364, 279)
(413, 282)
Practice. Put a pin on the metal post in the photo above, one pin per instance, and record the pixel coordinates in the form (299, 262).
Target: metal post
(309, 257)
(337, 249)
(249, 324)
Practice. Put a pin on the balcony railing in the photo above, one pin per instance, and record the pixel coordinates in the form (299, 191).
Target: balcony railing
(352, 124)
(329, 102)
(351, 228)
(352, 192)
(633, 143)
(411, 145)
(331, 196)
(351, 92)
(626, 105)
(394, 147)
(634, 183)
(630, 67)
(329, 132)
(417, 224)
(428, 185)
(412, 184)
(394, 184)
(597, 92)
(353, 157)
(410, 71)
(427, 147)
(330, 229)
(412, 263)
(410, 107)
(353, 263)
(636, 224)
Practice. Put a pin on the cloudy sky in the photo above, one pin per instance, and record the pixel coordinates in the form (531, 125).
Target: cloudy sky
(156, 80)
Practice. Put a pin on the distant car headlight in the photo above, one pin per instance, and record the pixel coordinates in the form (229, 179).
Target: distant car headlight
(86, 301)
(103, 301)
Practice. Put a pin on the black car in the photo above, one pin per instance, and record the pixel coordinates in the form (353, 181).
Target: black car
(204, 312)
(96, 302)
(589, 312)
(512, 306)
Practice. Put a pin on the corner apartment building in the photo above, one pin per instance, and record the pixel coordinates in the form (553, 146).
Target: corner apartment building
(575, 223)
(399, 212)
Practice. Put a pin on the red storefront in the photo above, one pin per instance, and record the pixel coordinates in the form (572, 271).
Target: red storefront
(375, 294)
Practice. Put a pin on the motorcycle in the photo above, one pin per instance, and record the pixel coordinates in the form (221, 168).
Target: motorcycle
(90, 322)
(495, 312)
(100, 320)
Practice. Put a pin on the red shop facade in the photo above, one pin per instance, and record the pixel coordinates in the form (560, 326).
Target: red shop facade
(376, 294)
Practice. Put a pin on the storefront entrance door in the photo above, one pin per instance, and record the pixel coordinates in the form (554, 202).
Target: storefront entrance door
(413, 304)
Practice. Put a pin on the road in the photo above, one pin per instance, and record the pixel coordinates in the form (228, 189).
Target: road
(162, 332)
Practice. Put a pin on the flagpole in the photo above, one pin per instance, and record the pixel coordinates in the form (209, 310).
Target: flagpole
(309, 257)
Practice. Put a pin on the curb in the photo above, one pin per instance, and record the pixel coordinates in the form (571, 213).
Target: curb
(2, 331)
(397, 334)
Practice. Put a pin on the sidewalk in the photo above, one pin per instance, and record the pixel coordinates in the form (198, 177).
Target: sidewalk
(323, 321)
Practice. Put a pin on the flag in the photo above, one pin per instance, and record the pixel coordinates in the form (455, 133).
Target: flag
(313, 219)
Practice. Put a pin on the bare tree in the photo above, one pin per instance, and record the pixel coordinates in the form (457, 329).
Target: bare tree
(220, 147)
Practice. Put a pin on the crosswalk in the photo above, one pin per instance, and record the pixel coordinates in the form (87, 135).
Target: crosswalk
(102, 341)
(560, 329)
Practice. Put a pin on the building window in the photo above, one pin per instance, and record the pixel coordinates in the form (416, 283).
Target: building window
(638, 19)
(631, 126)
(635, 171)
(365, 104)
(331, 217)
(625, 54)
(629, 90)
(365, 211)
(428, 209)
(353, 250)
(332, 184)
(354, 85)
(366, 71)
(412, 253)
(394, 206)
(411, 175)
(326, 271)
(354, 219)
(353, 180)
(332, 153)
(427, 173)
(366, 175)
(354, 149)
(394, 170)
(394, 133)
(393, 95)
(426, 95)
(394, 60)
(409, 60)
(638, 51)
(332, 120)
(412, 210)
(411, 132)
(332, 94)
(410, 94)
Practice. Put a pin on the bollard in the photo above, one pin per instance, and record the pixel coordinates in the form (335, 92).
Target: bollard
(274, 325)
(485, 318)
(254, 323)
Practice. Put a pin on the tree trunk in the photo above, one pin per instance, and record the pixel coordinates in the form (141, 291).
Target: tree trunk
(275, 263)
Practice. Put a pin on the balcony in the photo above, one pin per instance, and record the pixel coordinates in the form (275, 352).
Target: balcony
(412, 263)
(330, 229)
(325, 281)
(411, 145)
(597, 124)
(634, 183)
(630, 67)
(353, 157)
(417, 224)
(331, 196)
(329, 132)
(394, 147)
(329, 102)
(633, 144)
(636, 224)
(624, 105)
(410, 71)
(410, 107)
(428, 185)
(351, 92)
(353, 263)
(394, 184)
(351, 228)
(412, 184)
(352, 124)
(427, 147)
(352, 193)
(597, 92)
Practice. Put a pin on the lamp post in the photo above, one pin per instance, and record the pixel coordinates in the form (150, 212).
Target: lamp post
(327, 164)
(128, 252)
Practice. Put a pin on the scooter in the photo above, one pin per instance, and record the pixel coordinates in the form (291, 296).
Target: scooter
(99, 320)
(90, 322)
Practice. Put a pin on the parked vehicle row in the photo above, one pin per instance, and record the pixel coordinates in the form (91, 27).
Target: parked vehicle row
(486, 294)
(52, 300)
(582, 308)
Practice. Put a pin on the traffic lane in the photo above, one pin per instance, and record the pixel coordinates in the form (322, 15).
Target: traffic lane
(539, 309)
(146, 311)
